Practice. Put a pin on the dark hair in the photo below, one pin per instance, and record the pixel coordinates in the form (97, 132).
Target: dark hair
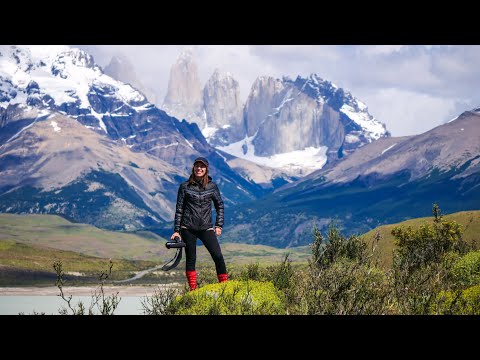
(191, 179)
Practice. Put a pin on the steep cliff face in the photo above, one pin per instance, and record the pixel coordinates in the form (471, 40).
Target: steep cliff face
(221, 97)
(286, 116)
(300, 125)
(293, 126)
(184, 99)
(297, 123)
(266, 95)
(223, 109)
(384, 182)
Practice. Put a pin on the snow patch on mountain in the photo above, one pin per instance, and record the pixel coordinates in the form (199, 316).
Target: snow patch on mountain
(384, 151)
(55, 126)
(300, 162)
(287, 98)
(455, 118)
(374, 128)
(208, 132)
(351, 139)
(65, 74)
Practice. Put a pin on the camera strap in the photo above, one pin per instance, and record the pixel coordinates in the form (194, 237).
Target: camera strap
(176, 260)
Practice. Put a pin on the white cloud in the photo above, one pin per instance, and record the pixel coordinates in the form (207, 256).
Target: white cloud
(374, 50)
(409, 113)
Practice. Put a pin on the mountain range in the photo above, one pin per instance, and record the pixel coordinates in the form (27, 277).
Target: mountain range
(387, 181)
(63, 121)
(92, 147)
(293, 126)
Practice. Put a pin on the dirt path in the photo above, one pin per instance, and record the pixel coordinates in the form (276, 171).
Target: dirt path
(139, 275)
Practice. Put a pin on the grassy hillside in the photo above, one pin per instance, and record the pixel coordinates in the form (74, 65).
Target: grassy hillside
(288, 216)
(470, 221)
(56, 232)
(29, 244)
(240, 254)
(22, 264)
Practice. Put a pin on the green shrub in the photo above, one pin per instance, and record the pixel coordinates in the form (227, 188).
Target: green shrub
(466, 271)
(252, 272)
(421, 264)
(429, 243)
(160, 303)
(472, 300)
(282, 275)
(466, 302)
(346, 287)
(342, 278)
(336, 247)
(207, 275)
(231, 298)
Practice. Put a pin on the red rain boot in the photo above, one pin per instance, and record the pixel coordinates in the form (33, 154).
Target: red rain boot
(222, 277)
(192, 279)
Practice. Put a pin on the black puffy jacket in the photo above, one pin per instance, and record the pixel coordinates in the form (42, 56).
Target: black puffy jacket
(194, 206)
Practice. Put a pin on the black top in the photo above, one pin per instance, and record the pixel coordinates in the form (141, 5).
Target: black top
(194, 206)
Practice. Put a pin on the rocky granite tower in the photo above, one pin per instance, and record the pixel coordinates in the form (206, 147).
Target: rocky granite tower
(184, 99)
(223, 109)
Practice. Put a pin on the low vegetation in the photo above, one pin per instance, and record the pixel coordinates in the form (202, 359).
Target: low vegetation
(469, 220)
(230, 298)
(100, 304)
(433, 271)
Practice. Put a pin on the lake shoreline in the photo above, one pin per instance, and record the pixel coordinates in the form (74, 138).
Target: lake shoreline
(123, 290)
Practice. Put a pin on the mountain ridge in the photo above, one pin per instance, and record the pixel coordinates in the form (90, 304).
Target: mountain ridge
(292, 125)
(389, 185)
(50, 92)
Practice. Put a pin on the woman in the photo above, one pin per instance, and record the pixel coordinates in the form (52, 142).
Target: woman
(193, 219)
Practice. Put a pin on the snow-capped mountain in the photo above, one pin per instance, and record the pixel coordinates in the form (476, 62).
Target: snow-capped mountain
(67, 80)
(364, 126)
(292, 126)
(38, 83)
(300, 125)
(386, 181)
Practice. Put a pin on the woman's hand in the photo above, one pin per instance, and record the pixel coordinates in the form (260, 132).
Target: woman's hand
(174, 234)
(218, 231)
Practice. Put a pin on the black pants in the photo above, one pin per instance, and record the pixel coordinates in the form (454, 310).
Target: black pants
(209, 239)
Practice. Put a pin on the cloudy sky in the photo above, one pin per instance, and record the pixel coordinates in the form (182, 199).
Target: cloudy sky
(410, 88)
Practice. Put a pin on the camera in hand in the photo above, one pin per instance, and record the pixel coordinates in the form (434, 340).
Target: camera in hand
(176, 243)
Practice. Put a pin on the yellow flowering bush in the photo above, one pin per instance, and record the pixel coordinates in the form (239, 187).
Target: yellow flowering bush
(466, 302)
(231, 298)
(466, 270)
